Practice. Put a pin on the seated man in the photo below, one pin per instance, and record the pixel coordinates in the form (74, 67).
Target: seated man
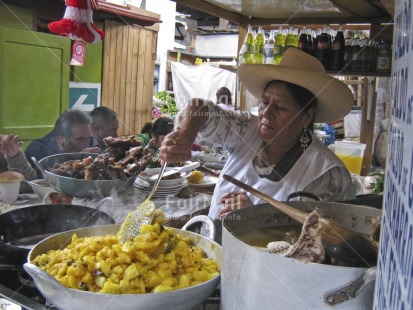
(71, 134)
(103, 123)
(12, 158)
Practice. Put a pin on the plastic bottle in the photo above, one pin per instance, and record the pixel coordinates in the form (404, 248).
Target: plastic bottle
(259, 47)
(279, 47)
(337, 50)
(303, 40)
(290, 41)
(269, 49)
(247, 48)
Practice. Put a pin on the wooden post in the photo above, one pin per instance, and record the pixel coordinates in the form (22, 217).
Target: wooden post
(367, 123)
(240, 102)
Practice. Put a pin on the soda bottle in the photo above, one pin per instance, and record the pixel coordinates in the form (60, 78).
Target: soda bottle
(290, 40)
(310, 43)
(279, 47)
(259, 47)
(384, 57)
(348, 54)
(269, 49)
(322, 53)
(355, 60)
(303, 40)
(247, 48)
(337, 50)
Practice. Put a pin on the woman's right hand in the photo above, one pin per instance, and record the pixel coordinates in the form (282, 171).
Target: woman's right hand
(176, 147)
(233, 201)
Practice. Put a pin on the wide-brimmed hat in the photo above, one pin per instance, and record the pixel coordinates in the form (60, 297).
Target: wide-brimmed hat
(334, 98)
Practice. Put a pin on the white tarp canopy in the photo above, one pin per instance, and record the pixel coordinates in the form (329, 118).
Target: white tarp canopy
(200, 81)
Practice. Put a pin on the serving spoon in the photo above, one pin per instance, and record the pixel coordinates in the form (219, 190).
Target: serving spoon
(338, 241)
(144, 213)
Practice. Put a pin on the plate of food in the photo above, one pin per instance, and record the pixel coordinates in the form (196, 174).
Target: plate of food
(198, 179)
(216, 164)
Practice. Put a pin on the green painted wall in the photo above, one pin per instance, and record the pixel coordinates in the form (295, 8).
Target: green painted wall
(14, 16)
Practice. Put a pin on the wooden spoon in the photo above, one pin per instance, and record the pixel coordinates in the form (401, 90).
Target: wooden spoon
(339, 242)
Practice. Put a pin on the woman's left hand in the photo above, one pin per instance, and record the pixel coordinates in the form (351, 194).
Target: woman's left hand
(233, 201)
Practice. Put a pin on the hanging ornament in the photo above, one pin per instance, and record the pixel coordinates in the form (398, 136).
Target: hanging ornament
(77, 22)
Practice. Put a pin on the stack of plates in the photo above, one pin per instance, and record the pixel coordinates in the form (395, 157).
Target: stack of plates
(166, 187)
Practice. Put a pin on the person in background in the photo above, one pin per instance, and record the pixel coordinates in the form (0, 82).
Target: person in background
(12, 158)
(276, 152)
(160, 128)
(70, 134)
(224, 99)
(104, 123)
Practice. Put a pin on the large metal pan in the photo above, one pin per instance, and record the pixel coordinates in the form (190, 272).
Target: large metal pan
(287, 283)
(78, 187)
(21, 229)
(65, 298)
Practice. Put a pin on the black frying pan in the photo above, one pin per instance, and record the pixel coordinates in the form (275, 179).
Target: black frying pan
(21, 229)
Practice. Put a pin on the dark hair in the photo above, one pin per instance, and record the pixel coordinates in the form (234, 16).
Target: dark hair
(147, 128)
(304, 98)
(162, 126)
(224, 96)
(65, 122)
(101, 116)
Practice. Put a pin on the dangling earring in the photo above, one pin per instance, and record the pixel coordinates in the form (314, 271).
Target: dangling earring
(305, 138)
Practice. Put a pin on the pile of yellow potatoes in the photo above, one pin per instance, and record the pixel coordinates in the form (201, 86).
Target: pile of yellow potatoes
(158, 260)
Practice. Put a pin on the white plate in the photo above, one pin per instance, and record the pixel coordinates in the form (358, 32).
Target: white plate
(206, 181)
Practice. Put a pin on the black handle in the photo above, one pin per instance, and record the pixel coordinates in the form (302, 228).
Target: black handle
(302, 194)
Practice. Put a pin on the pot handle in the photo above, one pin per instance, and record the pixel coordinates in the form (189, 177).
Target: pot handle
(302, 194)
(202, 219)
(352, 289)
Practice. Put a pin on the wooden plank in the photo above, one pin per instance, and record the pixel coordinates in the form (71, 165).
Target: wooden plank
(128, 85)
(134, 82)
(214, 10)
(123, 63)
(307, 21)
(112, 65)
(367, 124)
(141, 75)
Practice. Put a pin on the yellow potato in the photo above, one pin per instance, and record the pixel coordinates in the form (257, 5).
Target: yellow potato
(158, 260)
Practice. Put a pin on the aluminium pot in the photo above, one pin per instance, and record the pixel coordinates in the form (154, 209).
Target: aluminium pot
(253, 278)
(22, 228)
(78, 187)
(64, 298)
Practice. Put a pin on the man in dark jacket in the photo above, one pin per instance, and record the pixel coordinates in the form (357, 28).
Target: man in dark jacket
(71, 134)
(103, 123)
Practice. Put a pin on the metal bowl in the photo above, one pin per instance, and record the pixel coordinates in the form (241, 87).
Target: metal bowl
(65, 298)
(78, 187)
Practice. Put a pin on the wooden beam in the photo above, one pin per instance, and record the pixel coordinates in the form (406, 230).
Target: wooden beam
(308, 21)
(214, 10)
(389, 6)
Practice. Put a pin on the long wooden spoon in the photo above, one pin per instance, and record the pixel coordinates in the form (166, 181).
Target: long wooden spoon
(339, 242)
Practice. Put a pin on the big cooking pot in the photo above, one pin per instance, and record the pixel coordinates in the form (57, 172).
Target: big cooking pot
(78, 187)
(65, 298)
(253, 278)
(22, 228)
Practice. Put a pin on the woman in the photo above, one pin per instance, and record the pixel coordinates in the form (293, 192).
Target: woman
(12, 158)
(275, 152)
(159, 129)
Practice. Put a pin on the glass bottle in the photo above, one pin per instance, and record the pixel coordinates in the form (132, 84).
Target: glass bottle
(310, 43)
(337, 50)
(290, 40)
(384, 57)
(279, 47)
(269, 49)
(247, 48)
(303, 40)
(322, 48)
(355, 60)
(259, 47)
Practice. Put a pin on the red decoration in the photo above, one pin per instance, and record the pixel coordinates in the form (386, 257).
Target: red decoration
(77, 22)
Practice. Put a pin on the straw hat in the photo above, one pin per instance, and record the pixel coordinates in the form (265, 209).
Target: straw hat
(334, 98)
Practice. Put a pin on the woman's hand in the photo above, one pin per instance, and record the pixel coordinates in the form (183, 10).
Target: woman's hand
(176, 147)
(233, 201)
(10, 145)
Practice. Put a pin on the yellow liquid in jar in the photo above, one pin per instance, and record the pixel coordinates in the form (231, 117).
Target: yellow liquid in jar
(352, 163)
